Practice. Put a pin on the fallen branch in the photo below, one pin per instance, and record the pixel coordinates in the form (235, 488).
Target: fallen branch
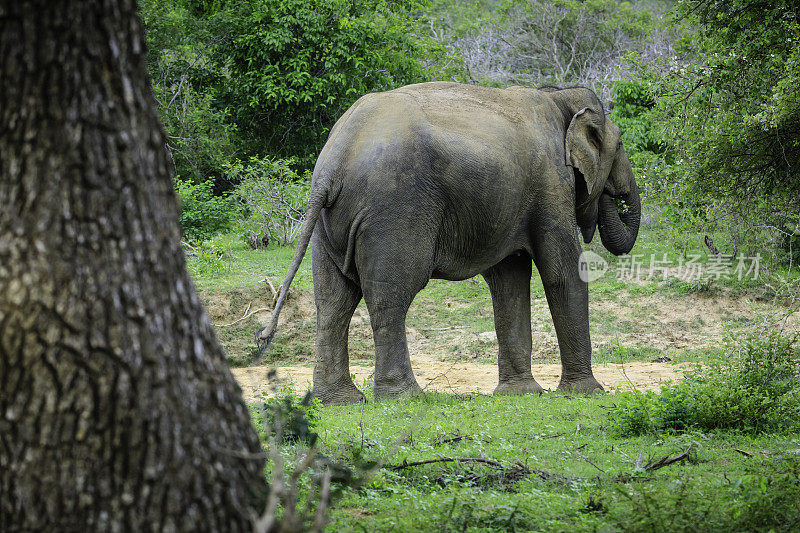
(638, 463)
(449, 440)
(441, 375)
(271, 286)
(244, 317)
(275, 292)
(579, 454)
(745, 453)
(493, 464)
(191, 250)
(666, 461)
(505, 473)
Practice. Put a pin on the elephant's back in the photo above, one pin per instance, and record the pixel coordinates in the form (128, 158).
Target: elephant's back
(455, 104)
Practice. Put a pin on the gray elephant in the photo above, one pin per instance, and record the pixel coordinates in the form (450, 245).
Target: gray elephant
(444, 180)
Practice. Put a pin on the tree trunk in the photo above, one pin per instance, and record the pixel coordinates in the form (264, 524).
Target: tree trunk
(117, 408)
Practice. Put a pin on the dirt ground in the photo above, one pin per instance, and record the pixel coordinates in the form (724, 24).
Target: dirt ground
(462, 377)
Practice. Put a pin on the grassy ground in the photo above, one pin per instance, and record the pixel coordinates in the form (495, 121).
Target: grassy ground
(561, 469)
(549, 463)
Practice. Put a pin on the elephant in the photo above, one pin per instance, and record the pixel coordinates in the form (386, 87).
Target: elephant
(447, 180)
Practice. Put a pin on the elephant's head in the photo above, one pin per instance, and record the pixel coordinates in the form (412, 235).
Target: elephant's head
(606, 191)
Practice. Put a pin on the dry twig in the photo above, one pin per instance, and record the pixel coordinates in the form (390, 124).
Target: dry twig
(456, 437)
(247, 314)
(444, 329)
(667, 460)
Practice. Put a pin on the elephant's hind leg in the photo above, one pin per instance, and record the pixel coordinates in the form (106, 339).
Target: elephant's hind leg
(510, 284)
(388, 304)
(392, 272)
(336, 298)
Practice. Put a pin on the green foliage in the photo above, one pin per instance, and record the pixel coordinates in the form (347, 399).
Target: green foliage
(202, 213)
(294, 415)
(274, 197)
(755, 387)
(186, 79)
(728, 108)
(581, 478)
(633, 113)
(762, 499)
(269, 77)
(768, 496)
(633, 101)
(296, 66)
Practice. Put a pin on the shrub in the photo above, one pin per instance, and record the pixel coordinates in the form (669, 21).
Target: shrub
(274, 197)
(765, 499)
(206, 261)
(203, 215)
(755, 387)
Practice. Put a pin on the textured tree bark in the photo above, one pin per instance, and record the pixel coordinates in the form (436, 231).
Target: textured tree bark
(117, 409)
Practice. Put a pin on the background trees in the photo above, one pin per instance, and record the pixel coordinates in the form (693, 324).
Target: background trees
(296, 66)
(706, 92)
(729, 105)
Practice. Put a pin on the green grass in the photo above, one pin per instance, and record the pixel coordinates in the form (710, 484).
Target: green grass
(561, 469)
(243, 267)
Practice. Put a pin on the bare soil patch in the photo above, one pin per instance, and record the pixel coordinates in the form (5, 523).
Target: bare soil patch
(462, 377)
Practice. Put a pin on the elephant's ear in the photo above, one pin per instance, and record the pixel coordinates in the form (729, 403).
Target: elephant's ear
(583, 144)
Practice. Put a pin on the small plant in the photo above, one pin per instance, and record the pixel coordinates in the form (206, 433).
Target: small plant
(301, 489)
(208, 261)
(754, 387)
(297, 415)
(616, 351)
(699, 286)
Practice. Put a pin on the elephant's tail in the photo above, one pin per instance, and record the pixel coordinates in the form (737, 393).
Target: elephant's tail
(319, 198)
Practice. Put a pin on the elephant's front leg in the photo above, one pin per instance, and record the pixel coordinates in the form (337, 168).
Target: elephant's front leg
(557, 254)
(510, 284)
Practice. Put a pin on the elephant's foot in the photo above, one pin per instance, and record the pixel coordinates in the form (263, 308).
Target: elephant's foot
(395, 389)
(582, 385)
(521, 385)
(340, 394)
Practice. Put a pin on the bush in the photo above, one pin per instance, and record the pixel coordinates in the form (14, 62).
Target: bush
(765, 499)
(295, 416)
(203, 215)
(275, 198)
(755, 387)
(206, 261)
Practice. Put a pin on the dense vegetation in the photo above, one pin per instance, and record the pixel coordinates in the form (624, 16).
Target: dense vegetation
(705, 92)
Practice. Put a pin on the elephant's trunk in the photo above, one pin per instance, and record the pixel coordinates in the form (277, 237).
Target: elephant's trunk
(618, 230)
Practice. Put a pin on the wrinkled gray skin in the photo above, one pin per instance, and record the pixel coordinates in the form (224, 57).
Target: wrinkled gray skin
(443, 180)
